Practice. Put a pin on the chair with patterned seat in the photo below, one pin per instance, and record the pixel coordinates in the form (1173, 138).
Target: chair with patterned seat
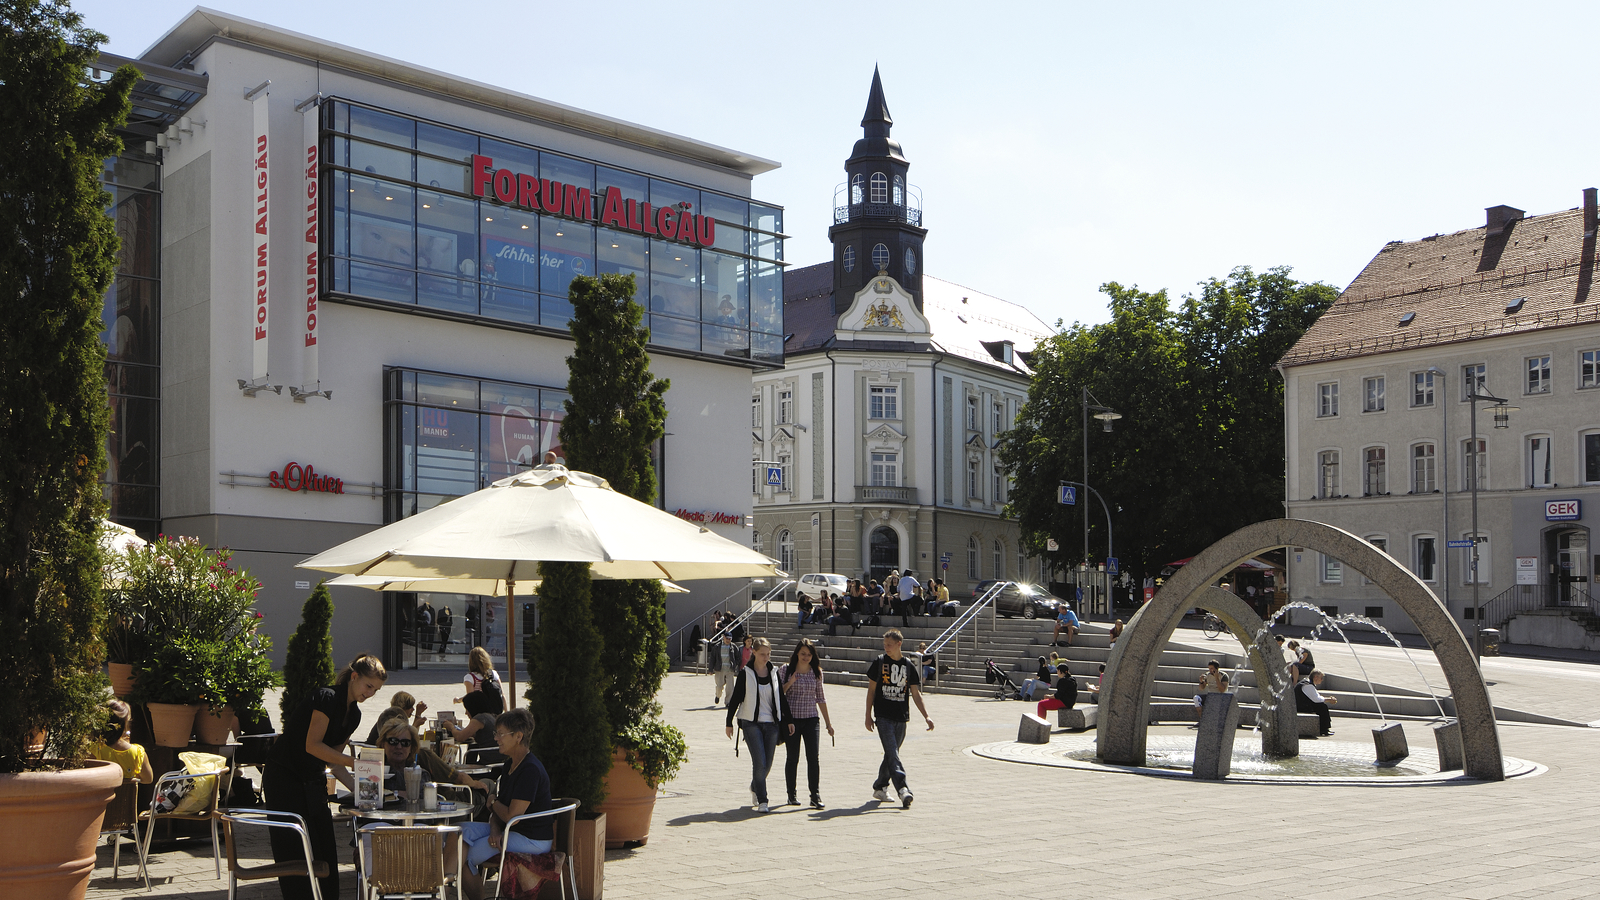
(410, 860)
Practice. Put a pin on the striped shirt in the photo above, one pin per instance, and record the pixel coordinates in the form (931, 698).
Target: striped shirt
(804, 696)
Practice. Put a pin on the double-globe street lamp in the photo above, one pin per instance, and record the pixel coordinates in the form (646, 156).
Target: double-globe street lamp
(1106, 415)
(1502, 419)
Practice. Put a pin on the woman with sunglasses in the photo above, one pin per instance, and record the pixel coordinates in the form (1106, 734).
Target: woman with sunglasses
(402, 749)
(524, 788)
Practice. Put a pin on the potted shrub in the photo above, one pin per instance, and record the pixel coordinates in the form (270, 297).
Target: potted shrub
(172, 682)
(617, 413)
(58, 262)
(125, 634)
(244, 677)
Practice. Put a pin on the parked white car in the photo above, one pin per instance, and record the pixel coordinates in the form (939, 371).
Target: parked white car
(814, 584)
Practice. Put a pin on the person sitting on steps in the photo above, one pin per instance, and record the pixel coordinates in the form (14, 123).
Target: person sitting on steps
(1307, 698)
(1065, 619)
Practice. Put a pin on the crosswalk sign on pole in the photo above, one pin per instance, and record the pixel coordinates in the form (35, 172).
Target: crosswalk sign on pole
(775, 476)
(1069, 495)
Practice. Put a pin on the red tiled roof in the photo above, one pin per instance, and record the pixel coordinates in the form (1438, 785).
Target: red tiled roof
(1458, 285)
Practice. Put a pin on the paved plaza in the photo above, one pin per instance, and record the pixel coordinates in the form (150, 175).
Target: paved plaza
(982, 827)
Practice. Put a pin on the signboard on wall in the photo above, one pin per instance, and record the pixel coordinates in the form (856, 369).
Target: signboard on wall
(1563, 510)
(1527, 570)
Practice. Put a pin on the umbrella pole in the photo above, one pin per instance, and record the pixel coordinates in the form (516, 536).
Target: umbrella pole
(511, 643)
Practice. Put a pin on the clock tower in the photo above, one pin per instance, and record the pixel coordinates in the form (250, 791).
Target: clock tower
(877, 214)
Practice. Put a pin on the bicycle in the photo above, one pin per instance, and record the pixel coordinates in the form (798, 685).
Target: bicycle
(1212, 626)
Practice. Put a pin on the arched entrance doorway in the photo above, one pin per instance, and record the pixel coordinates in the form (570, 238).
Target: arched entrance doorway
(884, 547)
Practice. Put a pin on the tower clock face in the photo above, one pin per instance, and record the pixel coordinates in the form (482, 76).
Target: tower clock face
(911, 261)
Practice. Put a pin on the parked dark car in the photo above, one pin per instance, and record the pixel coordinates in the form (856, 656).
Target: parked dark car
(1027, 600)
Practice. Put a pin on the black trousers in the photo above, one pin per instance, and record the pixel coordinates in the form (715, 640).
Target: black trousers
(1302, 703)
(804, 730)
(309, 800)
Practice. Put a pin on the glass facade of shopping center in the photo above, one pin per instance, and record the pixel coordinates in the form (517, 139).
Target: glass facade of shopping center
(407, 229)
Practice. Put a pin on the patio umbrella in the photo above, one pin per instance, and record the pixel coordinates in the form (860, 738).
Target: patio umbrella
(484, 588)
(546, 514)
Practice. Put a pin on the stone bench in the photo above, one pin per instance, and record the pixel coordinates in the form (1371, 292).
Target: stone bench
(1079, 718)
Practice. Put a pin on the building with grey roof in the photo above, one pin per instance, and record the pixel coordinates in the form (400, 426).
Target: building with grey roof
(1379, 426)
(875, 445)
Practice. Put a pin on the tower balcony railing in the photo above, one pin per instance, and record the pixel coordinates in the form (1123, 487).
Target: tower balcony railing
(882, 494)
(853, 208)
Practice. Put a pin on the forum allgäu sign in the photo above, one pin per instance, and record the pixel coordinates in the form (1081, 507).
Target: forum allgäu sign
(535, 194)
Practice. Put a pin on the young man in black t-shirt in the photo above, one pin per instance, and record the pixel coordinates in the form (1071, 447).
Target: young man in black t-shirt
(893, 681)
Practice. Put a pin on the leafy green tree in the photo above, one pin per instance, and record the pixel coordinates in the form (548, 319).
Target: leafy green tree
(572, 735)
(308, 661)
(617, 411)
(1199, 450)
(57, 256)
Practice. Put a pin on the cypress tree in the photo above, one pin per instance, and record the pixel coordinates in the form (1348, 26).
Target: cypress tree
(617, 411)
(58, 252)
(308, 663)
(572, 736)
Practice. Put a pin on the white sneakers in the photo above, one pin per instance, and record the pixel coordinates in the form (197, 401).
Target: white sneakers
(880, 794)
(905, 798)
(761, 807)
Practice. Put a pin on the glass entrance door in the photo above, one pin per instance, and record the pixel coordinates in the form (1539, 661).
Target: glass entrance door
(885, 552)
(1571, 565)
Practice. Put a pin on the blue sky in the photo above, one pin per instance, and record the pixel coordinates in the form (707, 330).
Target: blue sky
(1057, 146)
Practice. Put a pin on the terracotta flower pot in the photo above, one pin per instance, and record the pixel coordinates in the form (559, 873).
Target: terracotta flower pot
(49, 825)
(122, 678)
(629, 803)
(172, 723)
(212, 725)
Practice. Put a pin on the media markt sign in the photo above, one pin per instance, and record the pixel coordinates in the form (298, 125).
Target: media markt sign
(1563, 510)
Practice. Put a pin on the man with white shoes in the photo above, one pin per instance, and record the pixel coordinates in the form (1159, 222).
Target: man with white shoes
(893, 682)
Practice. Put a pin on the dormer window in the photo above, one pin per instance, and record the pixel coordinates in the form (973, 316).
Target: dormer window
(880, 188)
(899, 191)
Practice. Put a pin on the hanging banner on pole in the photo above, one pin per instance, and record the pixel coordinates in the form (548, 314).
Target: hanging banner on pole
(259, 239)
(310, 377)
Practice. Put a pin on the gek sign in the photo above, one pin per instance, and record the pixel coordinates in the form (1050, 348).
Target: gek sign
(1563, 510)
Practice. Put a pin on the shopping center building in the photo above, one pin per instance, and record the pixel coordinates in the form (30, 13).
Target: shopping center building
(343, 300)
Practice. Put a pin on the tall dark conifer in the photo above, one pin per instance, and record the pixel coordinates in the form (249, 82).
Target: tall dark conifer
(572, 735)
(308, 661)
(58, 253)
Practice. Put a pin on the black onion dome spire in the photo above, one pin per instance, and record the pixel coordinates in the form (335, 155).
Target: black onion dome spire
(875, 124)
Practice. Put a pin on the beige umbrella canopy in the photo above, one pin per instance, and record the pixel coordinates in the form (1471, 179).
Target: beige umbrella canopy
(547, 514)
(484, 588)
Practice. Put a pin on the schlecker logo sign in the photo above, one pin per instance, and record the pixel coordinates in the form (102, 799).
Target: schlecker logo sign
(673, 223)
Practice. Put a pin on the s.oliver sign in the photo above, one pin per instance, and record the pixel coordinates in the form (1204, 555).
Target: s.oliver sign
(1563, 510)
(296, 477)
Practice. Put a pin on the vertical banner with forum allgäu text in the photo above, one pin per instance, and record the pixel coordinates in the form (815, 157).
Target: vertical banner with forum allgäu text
(258, 235)
(310, 376)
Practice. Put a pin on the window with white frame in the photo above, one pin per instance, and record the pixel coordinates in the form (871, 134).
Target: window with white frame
(1538, 375)
(1022, 564)
(1423, 470)
(999, 561)
(1421, 388)
(1539, 470)
(1327, 399)
(755, 411)
(1332, 570)
(883, 401)
(786, 406)
(1382, 543)
(757, 542)
(972, 413)
(972, 558)
(1372, 394)
(974, 488)
(998, 485)
(1591, 457)
(999, 412)
(1424, 557)
(1376, 477)
(1589, 369)
(880, 256)
(880, 188)
(1474, 380)
(885, 470)
(783, 466)
(1483, 559)
(786, 550)
(857, 188)
(849, 257)
(756, 469)
(899, 191)
(1328, 474)
(1475, 463)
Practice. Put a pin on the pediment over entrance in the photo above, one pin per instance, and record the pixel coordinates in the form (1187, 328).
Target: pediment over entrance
(883, 311)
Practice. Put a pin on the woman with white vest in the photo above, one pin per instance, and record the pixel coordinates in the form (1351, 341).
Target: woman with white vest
(756, 703)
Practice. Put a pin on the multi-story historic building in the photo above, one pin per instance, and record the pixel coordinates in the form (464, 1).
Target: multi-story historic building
(874, 448)
(1379, 423)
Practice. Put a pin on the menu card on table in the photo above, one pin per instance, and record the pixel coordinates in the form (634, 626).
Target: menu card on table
(369, 778)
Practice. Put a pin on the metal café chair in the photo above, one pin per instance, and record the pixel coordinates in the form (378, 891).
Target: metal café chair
(220, 781)
(564, 817)
(312, 868)
(410, 860)
(122, 818)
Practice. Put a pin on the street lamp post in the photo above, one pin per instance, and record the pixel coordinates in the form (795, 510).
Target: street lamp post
(1106, 415)
(1502, 419)
(1442, 380)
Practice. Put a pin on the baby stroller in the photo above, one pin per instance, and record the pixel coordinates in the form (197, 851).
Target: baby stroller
(1005, 688)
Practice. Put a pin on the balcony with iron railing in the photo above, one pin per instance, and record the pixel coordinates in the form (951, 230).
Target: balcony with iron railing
(848, 207)
(877, 493)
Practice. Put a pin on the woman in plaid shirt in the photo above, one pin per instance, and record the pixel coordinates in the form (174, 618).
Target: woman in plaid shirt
(802, 700)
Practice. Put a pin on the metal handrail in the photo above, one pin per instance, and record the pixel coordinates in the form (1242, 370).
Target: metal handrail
(968, 616)
(701, 618)
(745, 616)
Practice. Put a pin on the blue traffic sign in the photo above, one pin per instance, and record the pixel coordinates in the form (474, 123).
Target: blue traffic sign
(775, 476)
(1111, 565)
(1462, 543)
(1069, 495)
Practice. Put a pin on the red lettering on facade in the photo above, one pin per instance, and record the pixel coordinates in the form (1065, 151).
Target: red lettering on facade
(666, 223)
(550, 198)
(706, 228)
(577, 204)
(614, 214)
(482, 174)
(505, 185)
(527, 192)
(647, 219)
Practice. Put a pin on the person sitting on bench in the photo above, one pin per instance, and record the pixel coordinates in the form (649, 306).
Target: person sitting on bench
(1308, 699)
(1066, 693)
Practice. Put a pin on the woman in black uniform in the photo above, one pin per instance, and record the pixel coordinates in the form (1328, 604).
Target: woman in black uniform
(314, 736)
